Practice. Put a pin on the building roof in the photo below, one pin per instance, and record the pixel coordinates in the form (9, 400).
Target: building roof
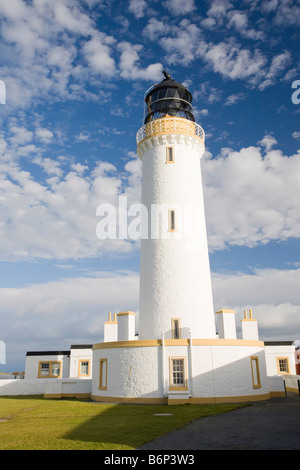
(48, 353)
(279, 343)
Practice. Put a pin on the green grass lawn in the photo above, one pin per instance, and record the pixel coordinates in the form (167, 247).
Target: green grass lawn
(35, 423)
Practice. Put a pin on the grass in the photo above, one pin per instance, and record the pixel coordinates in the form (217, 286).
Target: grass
(35, 423)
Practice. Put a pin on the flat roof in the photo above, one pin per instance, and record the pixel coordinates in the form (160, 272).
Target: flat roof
(278, 343)
(48, 353)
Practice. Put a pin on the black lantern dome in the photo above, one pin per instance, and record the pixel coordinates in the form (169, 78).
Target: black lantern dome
(168, 98)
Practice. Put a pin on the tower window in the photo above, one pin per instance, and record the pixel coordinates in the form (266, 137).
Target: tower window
(176, 328)
(103, 375)
(172, 220)
(255, 372)
(177, 373)
(170, 155)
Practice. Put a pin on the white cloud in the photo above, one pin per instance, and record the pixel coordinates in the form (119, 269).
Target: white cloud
(56, 217)
(296, 134)
(268, 142)
(287, 13)
(239, 21)
(45, 135)
(137, 7)
(68, 311)
(182, 46)
(273, 295)
(234, 98)
(156, 28)
(20, 135)
(129, 63)
(219, 8)
(278, 64)
(234, 62)
(179, 7)
(98, 54)
(251, 198)
(69, 17)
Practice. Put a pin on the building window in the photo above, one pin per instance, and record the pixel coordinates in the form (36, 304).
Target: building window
(176, 332)
(50, 370)
(255, 372)
(172, 220)
(170, 155)
(103, 375)
(84, 368)
(177, 373)
(283, 365)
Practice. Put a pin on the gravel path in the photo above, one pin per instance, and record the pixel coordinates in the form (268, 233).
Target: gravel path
(269, 425)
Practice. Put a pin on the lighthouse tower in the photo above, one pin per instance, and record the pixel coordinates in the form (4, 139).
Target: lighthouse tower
(175, 284)
(177, 356)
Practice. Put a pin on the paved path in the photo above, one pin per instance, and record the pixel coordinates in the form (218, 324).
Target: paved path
(270, 425)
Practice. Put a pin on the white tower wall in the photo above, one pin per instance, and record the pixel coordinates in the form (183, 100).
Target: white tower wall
(175, 277)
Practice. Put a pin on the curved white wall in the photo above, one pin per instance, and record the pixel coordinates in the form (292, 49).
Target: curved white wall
(213, 372)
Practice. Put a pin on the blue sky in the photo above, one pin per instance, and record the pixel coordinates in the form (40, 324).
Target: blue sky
(76, 73)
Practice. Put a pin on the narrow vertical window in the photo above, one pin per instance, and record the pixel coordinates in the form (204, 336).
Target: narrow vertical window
(172, 220)
(170, 155)
(177, 374)
(103, 375)
(176, 328)
(255, 372)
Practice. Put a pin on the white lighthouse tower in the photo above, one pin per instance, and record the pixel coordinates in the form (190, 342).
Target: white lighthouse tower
(177, 356)
(175, 283)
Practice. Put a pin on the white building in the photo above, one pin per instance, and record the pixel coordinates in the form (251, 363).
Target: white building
(184, 352)
(73, 363)
(177, 357)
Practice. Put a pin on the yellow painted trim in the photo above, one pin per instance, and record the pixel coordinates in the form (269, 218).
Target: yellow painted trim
(177, 342)
(178, 401)
(79, 367)
(255, 359)
(101, 365)
(278, 394)
(226, 310)
(49, 376)
(166, 125)
(140, 400)
(52, 395)
(227, 342)
(250, 316)
(125, 313)
(67, 395)
(174, 388)
(150, 343)
(147, 343)
(233, 399)
(288, 365)
(191, 400)
(292, 390)
(110, 321)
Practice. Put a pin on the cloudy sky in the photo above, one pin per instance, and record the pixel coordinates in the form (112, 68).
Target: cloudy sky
(76, 72)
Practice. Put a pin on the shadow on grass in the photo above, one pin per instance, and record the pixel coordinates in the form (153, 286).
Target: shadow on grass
(130, 426)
